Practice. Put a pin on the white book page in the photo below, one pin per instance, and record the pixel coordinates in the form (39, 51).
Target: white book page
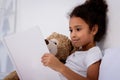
(25, 50)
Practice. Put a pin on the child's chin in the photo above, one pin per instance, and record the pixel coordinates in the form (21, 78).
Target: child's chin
(76, 45)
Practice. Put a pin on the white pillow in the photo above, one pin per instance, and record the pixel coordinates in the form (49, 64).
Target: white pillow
(110, 65)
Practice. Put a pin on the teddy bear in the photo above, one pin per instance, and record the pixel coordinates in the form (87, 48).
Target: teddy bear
(58, 44)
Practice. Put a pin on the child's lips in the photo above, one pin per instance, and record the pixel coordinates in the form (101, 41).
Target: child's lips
(75, 41)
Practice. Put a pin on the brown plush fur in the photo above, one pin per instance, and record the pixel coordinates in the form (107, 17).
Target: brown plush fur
(12, 76)
(64, 45)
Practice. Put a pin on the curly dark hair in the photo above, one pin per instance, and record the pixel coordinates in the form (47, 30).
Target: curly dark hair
(93, 12)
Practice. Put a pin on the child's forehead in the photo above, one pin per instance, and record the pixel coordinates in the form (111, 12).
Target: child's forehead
(76, 21)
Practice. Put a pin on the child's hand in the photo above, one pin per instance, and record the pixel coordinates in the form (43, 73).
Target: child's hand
(51, 61)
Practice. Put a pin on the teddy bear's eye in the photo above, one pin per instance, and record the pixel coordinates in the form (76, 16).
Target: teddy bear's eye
(55, 43)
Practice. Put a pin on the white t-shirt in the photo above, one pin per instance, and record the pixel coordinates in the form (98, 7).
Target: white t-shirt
(81, 60)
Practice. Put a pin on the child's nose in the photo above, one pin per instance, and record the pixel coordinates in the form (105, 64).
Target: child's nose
(73, 34)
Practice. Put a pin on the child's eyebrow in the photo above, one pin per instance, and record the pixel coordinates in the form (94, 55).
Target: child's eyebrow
(76, 26)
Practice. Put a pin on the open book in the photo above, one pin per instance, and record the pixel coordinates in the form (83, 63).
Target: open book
(25, 50)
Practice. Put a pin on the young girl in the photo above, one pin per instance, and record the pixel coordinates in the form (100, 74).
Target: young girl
(87, 26)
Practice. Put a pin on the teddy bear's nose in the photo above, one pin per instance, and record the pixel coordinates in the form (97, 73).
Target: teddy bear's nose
(47, 42)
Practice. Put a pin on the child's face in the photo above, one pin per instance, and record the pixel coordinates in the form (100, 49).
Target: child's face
(80, 33)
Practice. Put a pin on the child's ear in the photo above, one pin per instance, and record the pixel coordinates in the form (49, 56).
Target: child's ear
(95, 29)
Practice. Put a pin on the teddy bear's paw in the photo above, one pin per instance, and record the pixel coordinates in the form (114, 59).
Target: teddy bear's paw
(12, 76)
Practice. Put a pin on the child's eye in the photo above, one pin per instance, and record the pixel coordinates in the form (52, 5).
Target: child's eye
(70, 30)
(78, 29)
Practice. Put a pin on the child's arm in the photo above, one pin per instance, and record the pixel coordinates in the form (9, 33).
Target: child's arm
(52, 62)
(92, 73)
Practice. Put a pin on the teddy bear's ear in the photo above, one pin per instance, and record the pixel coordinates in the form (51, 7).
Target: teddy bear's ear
(51, 36)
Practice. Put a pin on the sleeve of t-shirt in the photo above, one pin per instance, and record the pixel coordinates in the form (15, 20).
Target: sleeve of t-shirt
(93, 56)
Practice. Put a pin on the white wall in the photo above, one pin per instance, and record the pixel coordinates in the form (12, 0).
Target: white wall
(113, 32)
(51, 15)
